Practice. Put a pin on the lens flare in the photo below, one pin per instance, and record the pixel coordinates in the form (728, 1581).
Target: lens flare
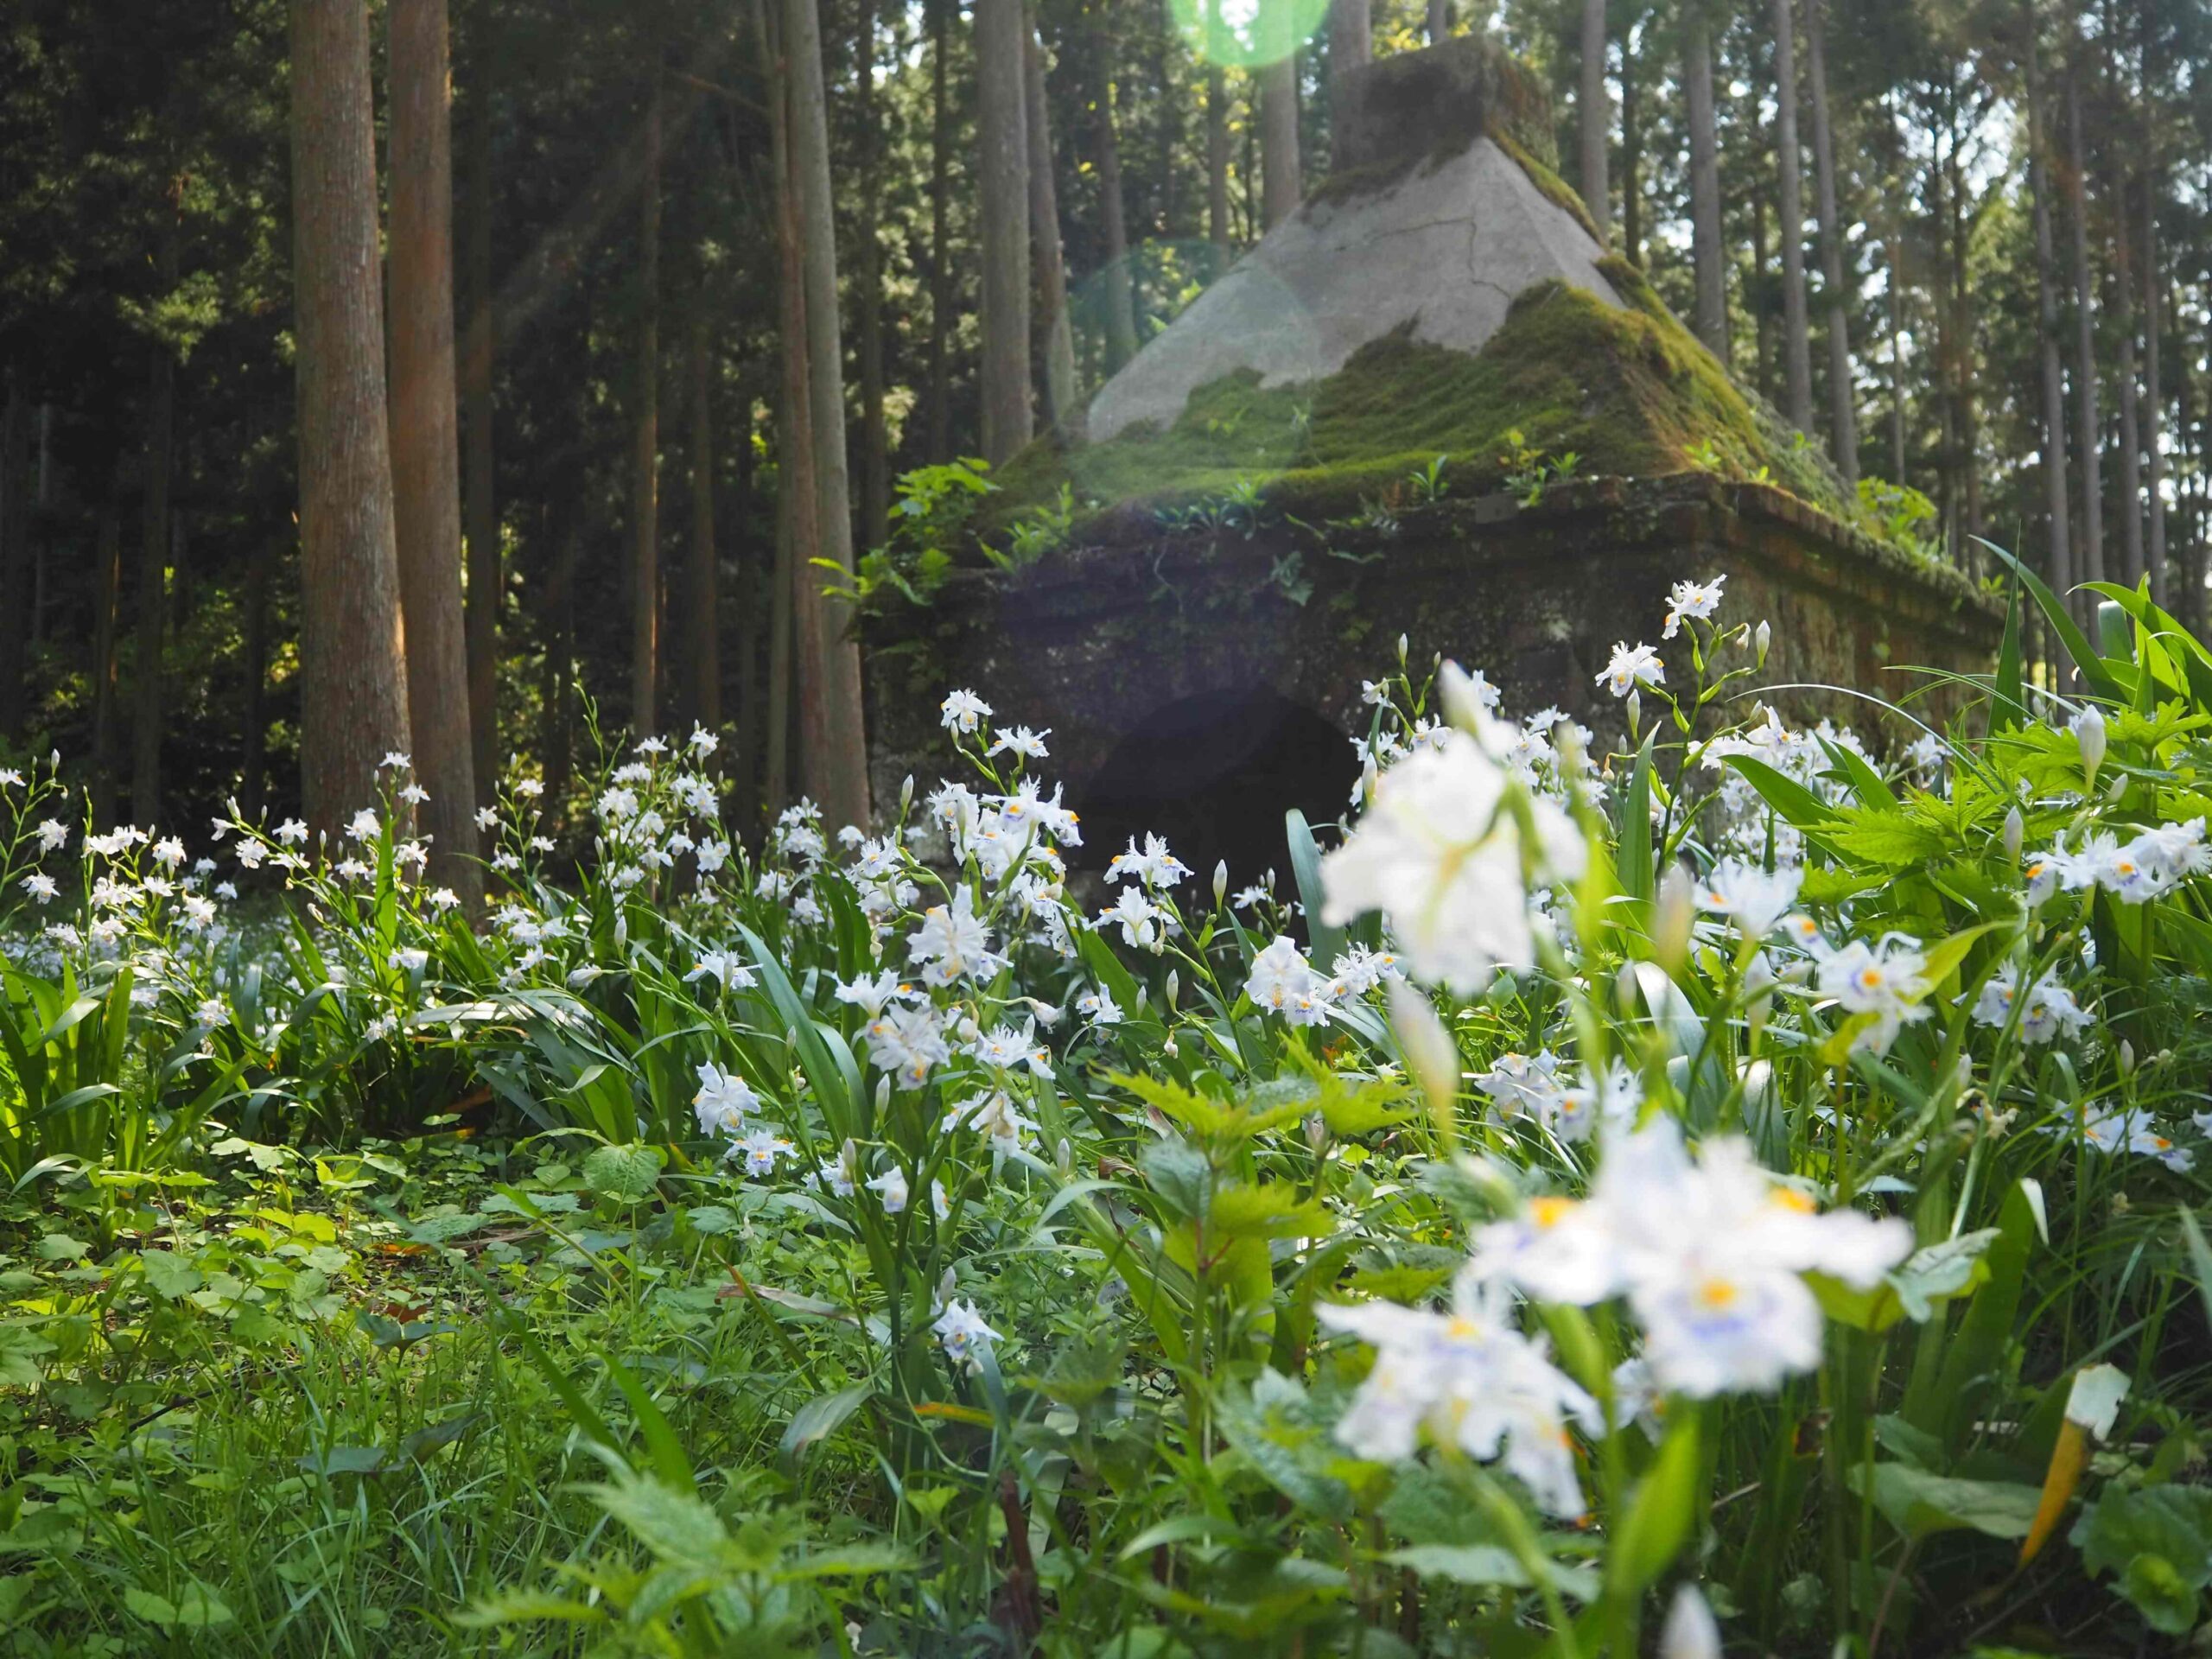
(1245, 34)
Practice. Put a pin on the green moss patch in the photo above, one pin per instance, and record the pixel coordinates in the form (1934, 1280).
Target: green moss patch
(1626, 390)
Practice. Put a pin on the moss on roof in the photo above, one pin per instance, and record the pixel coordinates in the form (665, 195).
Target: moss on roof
(1626, 389)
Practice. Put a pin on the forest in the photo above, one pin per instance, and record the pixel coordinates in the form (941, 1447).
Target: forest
(580, 1074)
(1959, 246)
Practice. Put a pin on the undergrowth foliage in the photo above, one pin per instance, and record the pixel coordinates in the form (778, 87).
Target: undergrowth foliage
(1727, 1193)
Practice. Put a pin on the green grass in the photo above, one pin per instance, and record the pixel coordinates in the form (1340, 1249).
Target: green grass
(565, 1378)
(349, 1468)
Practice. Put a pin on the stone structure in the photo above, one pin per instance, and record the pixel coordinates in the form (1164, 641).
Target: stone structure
(1200, 671)
(1199, 684)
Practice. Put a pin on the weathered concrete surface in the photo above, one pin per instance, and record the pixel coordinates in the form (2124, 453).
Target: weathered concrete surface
(1443, 249)
(1213, 677)
(1108, 644)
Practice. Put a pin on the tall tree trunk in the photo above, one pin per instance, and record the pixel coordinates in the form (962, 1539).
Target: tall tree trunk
(1944, 314)
(645, 426)
(2197, 529)
(1966, 375)
(1705, 185)
(1063, 407)
(836, 738)
(1594, 118)
(43, 499)
(1217, 163)
(2121, 310)
(1632, 156)
(1797, 332)
(180, 596)
(426, 439)
(1281, 187)
(2132, 568)
(154, 556)
(253, 766)
(1894, 249)
(352, 654)
(107, 562)
(15, 516)
(1001, 132)
(1120, 309)
(479, 502)
(1170, 96)
(702, 620)
(1439, 22)
(875, 442)
(2153, 388)
(1843, 419)
(938, 403)
(795, 541)
(2092, 568)
(751, 612)
(557, 625)
(793, 502)
(1351, 45)
(1760, 293)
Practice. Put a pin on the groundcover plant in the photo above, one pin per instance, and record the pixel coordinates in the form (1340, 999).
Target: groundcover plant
(1726, 1194)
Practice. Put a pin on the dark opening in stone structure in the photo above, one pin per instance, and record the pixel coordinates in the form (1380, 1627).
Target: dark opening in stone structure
(1214, 773)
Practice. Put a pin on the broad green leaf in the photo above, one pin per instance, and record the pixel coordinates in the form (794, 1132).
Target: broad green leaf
(2172, 1520)
(1632, 856)
(1661, 1511)
(820, 1417)
(1328, 942)
(200, 1609)
(678, 1527)
(627, 1174)
(851, 1561)
(344, 1460)
(1797, 805)
(1273, 1210)
(155, 1610)
(1274, 1425)
(1918, 1503)
(1940, 1272)
(443, 1230)
(1894, 839)
(1083, 1370)
(170, 1275)
(1865, 782)
(1941, 959)
(1180, 1173)
(830, 1069)
(2008, 706)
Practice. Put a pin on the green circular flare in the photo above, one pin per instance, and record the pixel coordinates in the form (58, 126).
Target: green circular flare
(1245, 34)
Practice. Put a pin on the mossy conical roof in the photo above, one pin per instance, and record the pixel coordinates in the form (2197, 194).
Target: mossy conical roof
(1443, 295)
